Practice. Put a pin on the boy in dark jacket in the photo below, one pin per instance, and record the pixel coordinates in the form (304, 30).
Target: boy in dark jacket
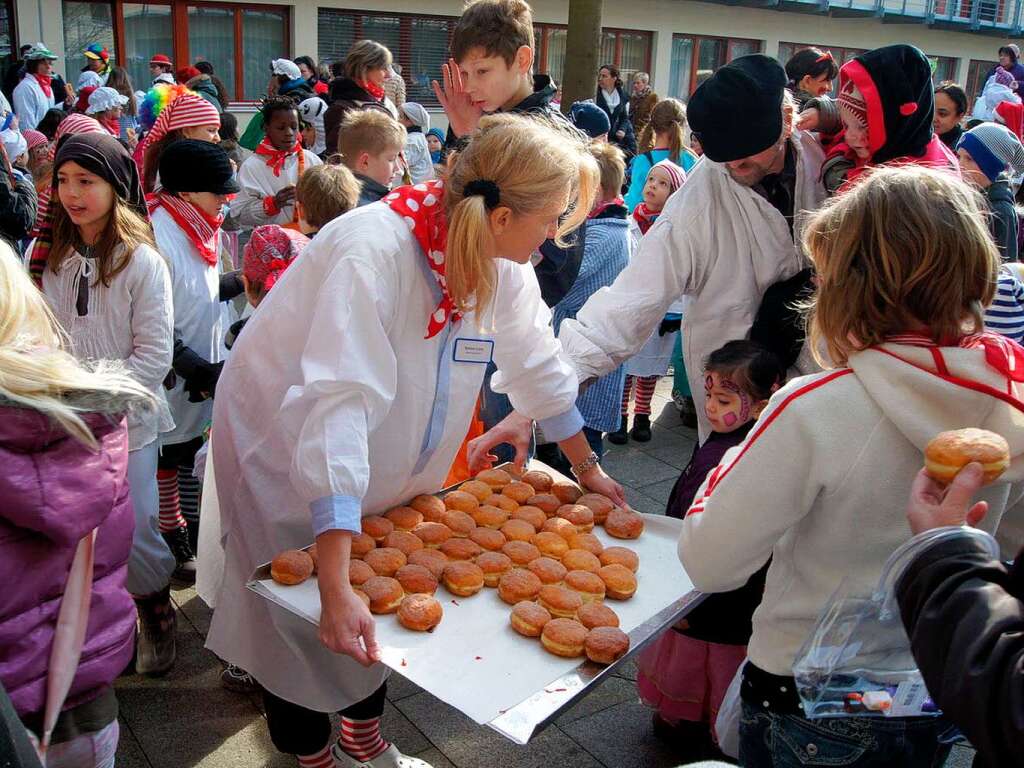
(988, 154)
(964, 613)
(370, 142)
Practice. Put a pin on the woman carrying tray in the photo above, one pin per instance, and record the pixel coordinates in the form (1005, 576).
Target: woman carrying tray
(353, 392)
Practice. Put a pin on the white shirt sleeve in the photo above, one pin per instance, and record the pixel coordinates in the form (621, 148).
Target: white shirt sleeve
(349, 378)
(247, 207)
(152, 319)
(533, 370)
(617, 321)
(25, 107)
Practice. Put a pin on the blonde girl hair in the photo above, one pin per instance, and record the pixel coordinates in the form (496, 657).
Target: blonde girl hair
(35, 371)
(667, 118)
(907, 249)
(534, 163)
(126, 230)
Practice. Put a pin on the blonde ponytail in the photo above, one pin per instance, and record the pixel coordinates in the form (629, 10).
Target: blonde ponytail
(534, 162)
(35, 371)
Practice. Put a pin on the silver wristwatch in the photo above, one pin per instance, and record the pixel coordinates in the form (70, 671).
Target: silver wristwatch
(586, 465)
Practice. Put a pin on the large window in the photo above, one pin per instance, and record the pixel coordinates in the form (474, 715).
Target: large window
(943, 69)
(418, 43)
(85, 23)
(240, 40)
(695, 58)
(147, 32)
(7, 41)
(627, 50)
(977, 74)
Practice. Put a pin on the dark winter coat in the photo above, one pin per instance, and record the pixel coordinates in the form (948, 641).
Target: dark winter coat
(619, 118)
(964, 615)
(205, 87)
(17, 207)
(1003, 221)
(344, 96)
(640, 108)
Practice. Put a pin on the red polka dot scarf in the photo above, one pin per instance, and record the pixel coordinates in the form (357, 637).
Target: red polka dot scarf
(421, 206)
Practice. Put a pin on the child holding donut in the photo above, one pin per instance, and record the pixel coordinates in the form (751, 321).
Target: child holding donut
(818, 484)
(685, 673)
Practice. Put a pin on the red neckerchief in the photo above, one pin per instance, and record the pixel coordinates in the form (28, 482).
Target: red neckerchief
(200, 228)
(422, 208)
(377, 91)
(44, 83)
(644, 217)
(276, 157)
(1003, 354)
(113, 126)
(598, 210)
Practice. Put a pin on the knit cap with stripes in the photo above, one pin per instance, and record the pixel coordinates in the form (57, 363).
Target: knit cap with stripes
(994, 148)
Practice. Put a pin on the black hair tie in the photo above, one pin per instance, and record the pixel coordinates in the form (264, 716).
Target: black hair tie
(486, 189)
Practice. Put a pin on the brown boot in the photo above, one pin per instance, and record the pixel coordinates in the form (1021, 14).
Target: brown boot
(155, 650)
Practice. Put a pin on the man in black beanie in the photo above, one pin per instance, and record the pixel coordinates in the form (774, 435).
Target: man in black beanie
(730, 233)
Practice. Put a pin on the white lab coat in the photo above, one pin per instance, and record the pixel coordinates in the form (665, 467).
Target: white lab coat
(258, 181)
(329, 393)
(417, 155)
(30, 103)
(718, 243)
(195, 287)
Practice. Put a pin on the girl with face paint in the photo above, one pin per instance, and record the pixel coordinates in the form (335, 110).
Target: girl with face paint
(684, 674)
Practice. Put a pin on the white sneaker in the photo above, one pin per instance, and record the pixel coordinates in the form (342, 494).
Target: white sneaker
(390, 758)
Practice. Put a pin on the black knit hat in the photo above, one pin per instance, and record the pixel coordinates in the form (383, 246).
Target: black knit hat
(737, 112)
(189, 165)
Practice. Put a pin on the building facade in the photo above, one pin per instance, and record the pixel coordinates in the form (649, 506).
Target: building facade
(680, 42)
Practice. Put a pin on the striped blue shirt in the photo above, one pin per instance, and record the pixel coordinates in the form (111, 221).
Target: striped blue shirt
(1006, 313)
(605, 253)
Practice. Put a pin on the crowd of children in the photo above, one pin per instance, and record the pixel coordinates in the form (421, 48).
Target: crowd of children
(294, 289)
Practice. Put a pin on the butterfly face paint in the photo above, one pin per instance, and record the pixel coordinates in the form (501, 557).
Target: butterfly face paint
(727, 406)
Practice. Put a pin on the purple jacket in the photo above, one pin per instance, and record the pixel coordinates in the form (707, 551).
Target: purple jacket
(53, 491)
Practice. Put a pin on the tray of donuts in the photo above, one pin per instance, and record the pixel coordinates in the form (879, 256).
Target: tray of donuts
(497, 589)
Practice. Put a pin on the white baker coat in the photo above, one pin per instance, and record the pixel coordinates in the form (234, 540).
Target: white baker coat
(719, 244)
(195, 288)
(258, 181)
(30, 103)
(329, 398)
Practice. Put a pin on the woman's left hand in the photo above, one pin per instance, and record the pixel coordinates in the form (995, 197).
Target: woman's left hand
(597, 481)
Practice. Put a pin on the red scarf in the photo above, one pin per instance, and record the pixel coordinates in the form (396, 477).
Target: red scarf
(377, 91)
(44, 83)
(276, 157)
(422, 208)
(113, 126)
(644, 217)
(200, 228)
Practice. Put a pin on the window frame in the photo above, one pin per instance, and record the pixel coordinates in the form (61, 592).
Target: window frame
(696, 40)
(180, 29)
(540, 46)
(403, 55)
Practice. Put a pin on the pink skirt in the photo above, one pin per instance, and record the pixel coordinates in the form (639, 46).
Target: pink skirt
(686, 679)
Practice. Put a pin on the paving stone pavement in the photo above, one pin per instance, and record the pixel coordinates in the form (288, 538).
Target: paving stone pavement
(188, 720)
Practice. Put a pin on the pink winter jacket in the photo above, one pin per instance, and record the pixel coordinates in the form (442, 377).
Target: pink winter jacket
(53, 491)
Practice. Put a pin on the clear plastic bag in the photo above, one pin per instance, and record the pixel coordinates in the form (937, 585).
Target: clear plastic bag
(857, 662)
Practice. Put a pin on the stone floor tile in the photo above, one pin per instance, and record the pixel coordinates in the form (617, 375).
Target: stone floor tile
(611, 692)
(397, 728)
(627, 671)
(435, 758)
(621, 736)
(129, 752)
(641, 502)
(468, 745)
(660, 491)
(637, 469)
(399, 687)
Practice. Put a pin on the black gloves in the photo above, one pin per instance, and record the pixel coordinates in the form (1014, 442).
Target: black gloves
(200, 376)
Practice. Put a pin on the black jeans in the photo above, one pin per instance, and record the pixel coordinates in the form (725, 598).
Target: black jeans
(296, 730)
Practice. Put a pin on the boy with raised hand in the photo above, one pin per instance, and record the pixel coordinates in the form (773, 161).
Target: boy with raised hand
(491, 67)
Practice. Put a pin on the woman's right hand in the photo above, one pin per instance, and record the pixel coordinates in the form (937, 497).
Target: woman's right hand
(344, 621)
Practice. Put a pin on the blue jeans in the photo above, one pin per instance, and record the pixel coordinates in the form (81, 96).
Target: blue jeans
(770, 740)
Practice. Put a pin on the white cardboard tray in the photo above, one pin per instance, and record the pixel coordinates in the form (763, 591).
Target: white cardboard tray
(478, 664)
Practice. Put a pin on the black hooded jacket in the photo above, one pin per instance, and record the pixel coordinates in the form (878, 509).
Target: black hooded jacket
(344, 96)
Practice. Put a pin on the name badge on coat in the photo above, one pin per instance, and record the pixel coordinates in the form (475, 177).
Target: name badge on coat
(473, 351)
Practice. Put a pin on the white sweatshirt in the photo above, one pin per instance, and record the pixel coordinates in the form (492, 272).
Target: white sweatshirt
(258, 181)
(822, 481)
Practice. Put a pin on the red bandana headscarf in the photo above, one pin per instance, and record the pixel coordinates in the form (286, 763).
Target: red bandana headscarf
(200, 228)
(422, 209)
(277, 157)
